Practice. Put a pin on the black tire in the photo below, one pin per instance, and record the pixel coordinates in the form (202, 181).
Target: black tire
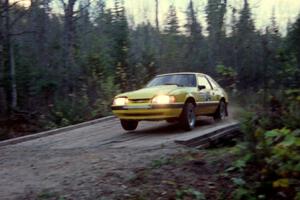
(221, 111)
(129, 125)
(188, 117)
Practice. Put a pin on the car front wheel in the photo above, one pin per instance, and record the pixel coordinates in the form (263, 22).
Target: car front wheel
(188, 117)
(129, 125)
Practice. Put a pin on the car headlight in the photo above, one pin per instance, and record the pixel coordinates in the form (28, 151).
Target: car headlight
(163, 99)
(121, 101)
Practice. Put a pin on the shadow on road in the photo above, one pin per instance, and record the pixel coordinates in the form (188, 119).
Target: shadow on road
(164, 128)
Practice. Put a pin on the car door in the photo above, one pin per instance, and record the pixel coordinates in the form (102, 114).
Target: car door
(204, 104)
(215, 93)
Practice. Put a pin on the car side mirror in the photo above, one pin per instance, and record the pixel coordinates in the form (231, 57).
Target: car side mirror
(201, 87)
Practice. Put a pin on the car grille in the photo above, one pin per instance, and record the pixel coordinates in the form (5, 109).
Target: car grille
(139, 100)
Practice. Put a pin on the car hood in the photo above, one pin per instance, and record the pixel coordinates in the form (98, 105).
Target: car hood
(148, 93)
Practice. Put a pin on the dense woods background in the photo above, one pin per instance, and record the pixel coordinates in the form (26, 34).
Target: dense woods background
(59, 68)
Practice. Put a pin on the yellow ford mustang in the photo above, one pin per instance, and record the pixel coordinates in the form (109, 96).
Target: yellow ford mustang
(173, 97)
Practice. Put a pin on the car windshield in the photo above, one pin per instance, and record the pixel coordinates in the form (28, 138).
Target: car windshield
(181, 80)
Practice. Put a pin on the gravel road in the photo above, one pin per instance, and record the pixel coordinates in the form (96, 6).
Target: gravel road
(86, 163)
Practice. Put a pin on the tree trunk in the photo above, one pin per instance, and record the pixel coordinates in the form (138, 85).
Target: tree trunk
(9, 65)
(12, 77)
(39, 38)
(3, 106)
(69, 45)
(156, 15)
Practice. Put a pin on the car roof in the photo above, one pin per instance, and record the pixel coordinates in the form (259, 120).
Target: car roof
(182, 73)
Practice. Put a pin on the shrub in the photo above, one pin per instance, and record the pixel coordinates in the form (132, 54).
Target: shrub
(269, 161)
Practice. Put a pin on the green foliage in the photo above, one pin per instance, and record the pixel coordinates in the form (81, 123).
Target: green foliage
(69, 111)
(144, 55)
(242, 193)
(291, 114)
(269, 158)
(241, 163)
(238, 181)
(228, 76)
(160, 162)
(189, 193)
(47, 195)
(102, 106)
(108, 56)
(294, 39)
(225, 71)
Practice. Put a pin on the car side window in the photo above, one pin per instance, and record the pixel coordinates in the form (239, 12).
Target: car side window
(213, 83)
(203, 81)
(192, 81)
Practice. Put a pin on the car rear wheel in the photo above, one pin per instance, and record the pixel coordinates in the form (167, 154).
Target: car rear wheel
(129, 125)
(220, 113)
(188, 117)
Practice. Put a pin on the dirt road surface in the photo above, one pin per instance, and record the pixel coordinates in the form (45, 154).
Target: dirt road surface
(87, 163)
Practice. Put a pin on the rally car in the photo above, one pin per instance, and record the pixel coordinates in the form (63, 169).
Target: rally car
(175, 97)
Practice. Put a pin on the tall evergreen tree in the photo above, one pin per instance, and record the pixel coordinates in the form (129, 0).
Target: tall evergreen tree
(294, 39)
(195, 44)
(121, 41)
(232, 56)
(84, 26)
(172, 43)
(9, 72)
(69, 33)
(247, 48)
(271, 42)
(34, 50)
(172, 24)
(156, 15)
(143, 52)
(215, 14)
(193, 27)
(245, 25)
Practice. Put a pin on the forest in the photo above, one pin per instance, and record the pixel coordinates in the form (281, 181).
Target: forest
(61, 68)
(63, 61)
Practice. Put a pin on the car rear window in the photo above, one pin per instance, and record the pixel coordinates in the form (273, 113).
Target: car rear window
(181, 80)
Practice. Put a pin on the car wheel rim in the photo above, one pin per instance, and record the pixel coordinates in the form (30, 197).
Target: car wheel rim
(191, 116)
(222, 111)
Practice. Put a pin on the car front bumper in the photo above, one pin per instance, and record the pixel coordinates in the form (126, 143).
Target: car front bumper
(148, 112)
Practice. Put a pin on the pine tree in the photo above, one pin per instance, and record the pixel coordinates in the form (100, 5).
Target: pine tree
(247, 49)
(156, 15)
(84, 27)
(233, 39)
(172, 25)
(8, 62)
(143, 53)
(193, 27)
(69, 33)
(294, 39)
(245, 25)
(195, 43)
(121, 40)
(215, 14)
(172, 44)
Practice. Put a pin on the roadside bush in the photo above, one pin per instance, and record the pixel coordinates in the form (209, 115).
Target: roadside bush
(82, 106)
(102, 106)
(269, 161)
(69, 111)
